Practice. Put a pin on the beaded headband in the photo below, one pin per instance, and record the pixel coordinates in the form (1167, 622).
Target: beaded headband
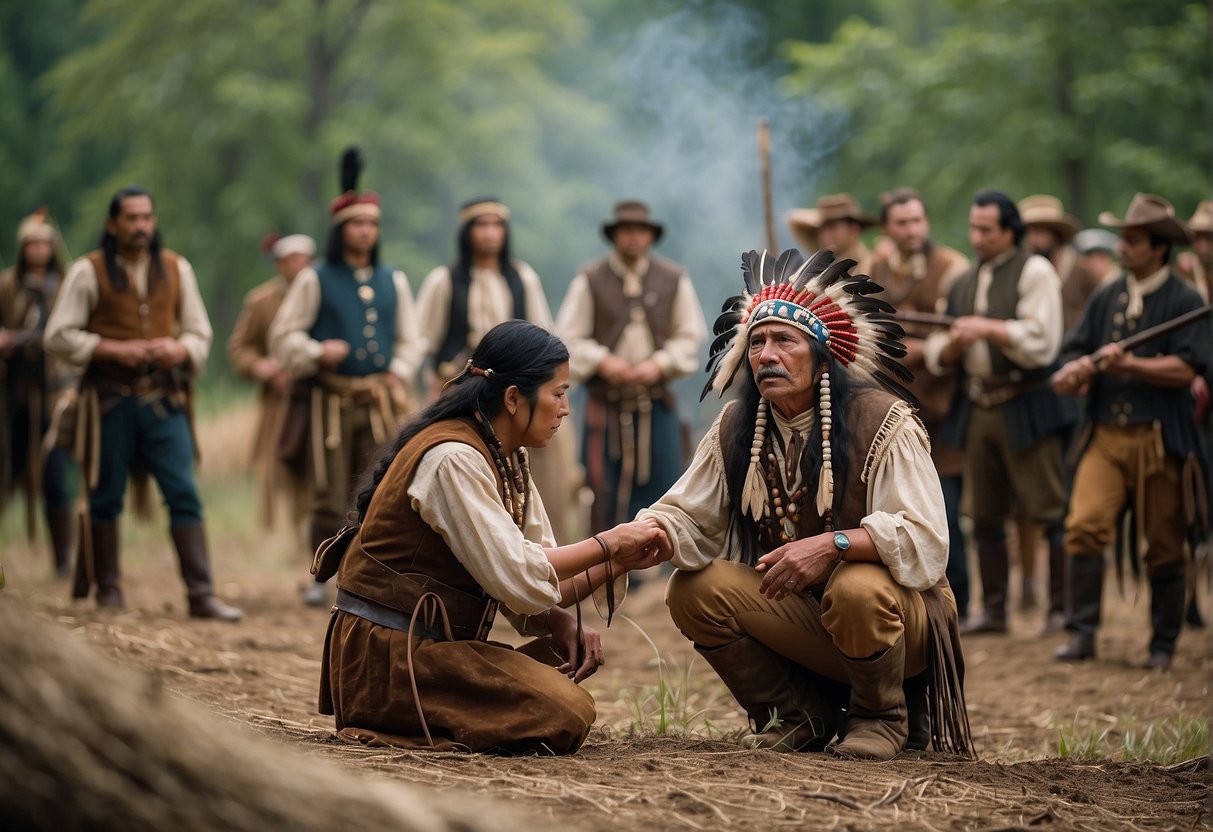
(824, 300)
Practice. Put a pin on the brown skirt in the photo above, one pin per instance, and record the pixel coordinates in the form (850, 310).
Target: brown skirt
(475, 695)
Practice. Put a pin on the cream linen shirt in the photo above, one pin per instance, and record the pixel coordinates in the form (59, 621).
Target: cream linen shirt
(299, 353)
(451, 484)
(1035, 331)
(678, 357)
(67, 338)
(489, 303)
(906, 518)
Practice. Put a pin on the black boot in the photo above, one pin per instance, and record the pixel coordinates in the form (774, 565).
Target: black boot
(789, 707)
(877, 722)
(1055, 618)
(1166, 614)
(919, 713)
(195, 562)
(59, 521)
(104, 537)
(992, 561)
(1083, 603)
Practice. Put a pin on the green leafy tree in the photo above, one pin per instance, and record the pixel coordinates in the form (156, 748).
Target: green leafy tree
(1091, 102)
(233, 114)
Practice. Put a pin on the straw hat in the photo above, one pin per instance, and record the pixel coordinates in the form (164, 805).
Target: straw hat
(1202, 220)
(1047, 211)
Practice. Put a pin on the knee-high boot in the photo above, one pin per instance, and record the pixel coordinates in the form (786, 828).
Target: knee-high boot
(877, 721)
(789, 708)
(1167, 591)
(190, 540)
(992, 561)
(1055, 618)
(59, 521)
(1084, 599)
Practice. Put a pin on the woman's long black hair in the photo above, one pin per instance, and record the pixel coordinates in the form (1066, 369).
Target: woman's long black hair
(743, 531)
(519, 353)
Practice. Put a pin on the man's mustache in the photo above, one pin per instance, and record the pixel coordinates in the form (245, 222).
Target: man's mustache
(772, 371)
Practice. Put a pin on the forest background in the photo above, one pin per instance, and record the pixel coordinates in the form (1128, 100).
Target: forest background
(234, 113)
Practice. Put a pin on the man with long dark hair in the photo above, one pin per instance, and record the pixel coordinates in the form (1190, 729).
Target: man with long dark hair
(131, 315)
(30, 381)
(1003, 346)
(347, 333)
(634, 325)
(458, 303)
(809, 532)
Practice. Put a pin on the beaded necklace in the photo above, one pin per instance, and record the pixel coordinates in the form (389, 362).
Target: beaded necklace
(514, 471)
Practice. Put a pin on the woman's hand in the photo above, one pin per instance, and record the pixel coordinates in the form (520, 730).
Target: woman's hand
(640, 544)
(582, 656)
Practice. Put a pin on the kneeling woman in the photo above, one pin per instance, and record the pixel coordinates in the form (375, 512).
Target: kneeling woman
(450, 514)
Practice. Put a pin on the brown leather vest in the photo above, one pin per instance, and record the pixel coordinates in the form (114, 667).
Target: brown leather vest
(934, 393)
(124, 316)
(865, 413)
(397, 556)
(613, 310)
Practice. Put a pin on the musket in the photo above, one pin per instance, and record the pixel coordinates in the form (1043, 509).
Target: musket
(925, 318)
(1137, 339)
(768, 201)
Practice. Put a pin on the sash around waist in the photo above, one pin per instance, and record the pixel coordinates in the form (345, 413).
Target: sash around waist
(471, 616)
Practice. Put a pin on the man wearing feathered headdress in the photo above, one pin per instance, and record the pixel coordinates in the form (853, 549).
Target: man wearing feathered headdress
(348, 334)
(809, 531)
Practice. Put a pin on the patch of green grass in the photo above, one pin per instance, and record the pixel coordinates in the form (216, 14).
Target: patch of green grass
(676, 705)
(1178, 737)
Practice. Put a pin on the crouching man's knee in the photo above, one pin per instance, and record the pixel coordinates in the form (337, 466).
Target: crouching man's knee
(861, 609)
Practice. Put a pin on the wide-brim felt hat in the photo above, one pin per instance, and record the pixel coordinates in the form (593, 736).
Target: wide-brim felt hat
(1202, 219)
(805, 223)
(632, 212)
(1152, 213)
(1047, 211)
(843, 207)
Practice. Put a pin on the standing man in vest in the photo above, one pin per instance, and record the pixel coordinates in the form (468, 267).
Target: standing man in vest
(917, 274)
(457, 304)
(1004, 344)
(130, 314)
(29, 384)
(1144, 441)
(248, 350)
(633, 324)
(346, 331)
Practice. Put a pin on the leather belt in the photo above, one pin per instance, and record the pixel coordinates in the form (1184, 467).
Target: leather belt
(394, 619)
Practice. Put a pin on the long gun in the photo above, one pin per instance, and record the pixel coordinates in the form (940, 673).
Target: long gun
(924, 318)
(1136, 340)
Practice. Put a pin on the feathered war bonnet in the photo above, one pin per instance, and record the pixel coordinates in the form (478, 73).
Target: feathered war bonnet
(832, 307)
(352, 203)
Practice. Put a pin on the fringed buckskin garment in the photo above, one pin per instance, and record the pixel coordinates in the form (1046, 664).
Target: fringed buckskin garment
(437, 524)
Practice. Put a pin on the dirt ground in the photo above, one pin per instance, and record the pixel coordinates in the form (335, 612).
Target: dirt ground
(661, 754)
(263, 673)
